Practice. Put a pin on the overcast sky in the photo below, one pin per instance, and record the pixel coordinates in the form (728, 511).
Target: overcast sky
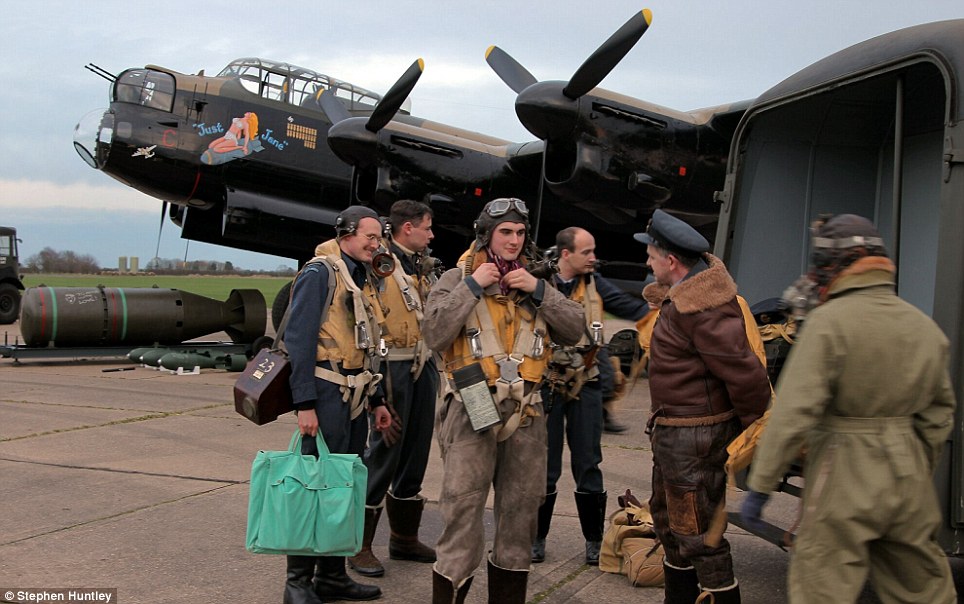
(697, 53)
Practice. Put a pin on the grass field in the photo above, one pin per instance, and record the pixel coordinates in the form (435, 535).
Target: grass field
(217, 288)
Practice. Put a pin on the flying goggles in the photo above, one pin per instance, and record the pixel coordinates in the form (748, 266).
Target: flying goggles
(500, 207)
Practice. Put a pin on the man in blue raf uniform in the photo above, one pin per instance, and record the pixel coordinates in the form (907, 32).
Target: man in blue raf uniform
(706, 386)
(397, 458)
(573, 394)
(326, 345)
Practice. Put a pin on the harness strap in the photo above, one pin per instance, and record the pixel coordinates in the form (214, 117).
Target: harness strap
(354, 388)
(528, 342)
(409, 290)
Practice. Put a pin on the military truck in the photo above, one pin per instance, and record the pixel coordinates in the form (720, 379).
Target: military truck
(873, 130)
(11, 283)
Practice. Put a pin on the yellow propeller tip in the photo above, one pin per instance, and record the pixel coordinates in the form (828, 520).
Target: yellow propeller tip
(421, 64)
(489, 50)
(648, 15)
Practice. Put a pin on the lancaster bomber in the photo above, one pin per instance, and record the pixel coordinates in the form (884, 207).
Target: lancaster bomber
(252, 158)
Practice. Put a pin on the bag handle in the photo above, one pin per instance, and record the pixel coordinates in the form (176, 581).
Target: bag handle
(323, 451)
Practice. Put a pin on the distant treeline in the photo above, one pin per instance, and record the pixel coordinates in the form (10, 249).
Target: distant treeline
(49, 260)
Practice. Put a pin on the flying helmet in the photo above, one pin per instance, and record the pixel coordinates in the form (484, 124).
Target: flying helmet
(347, 222)
(497, 211)
(840, 240)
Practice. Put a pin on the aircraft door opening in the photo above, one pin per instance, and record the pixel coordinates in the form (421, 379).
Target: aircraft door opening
(834, 153)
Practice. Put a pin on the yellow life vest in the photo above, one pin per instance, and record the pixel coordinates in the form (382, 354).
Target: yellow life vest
(585, 294)
(570, 367)
(337, 334)
(505, 328)
(402, 306)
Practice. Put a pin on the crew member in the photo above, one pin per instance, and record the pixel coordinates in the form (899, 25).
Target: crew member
(867, 388)
(493, 322)
(397, 458)
(572, 392)
(706, 386)
(326, 345)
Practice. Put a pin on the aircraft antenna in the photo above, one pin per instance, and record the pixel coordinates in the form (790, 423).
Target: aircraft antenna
(100, 71)
(160, 229)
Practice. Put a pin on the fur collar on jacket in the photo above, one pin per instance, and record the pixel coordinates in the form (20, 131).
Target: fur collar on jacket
(707, 289)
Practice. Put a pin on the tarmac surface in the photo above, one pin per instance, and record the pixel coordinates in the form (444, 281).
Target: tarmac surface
(137, 481)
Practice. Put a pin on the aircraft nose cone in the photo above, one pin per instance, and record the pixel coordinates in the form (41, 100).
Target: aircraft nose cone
(352, 142)
(92, 137)
(545, 111)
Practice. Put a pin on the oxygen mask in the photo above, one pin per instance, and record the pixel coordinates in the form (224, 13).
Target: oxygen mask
(383, 263)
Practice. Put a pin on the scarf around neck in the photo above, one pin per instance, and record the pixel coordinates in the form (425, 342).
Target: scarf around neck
(505, 267)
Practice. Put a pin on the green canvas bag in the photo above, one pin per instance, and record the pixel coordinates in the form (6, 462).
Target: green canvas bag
(305, 506)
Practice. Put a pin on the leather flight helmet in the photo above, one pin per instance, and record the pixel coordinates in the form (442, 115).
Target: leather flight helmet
(497, 211)
(347, 222)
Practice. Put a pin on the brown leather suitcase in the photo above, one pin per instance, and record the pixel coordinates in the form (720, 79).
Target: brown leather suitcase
(262, 391)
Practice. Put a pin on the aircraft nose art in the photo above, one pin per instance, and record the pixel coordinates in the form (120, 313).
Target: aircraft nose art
(92, 137)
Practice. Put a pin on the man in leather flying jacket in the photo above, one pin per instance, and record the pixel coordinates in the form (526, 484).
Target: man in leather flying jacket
(706, 386)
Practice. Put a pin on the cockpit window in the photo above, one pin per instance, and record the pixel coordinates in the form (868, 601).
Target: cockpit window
(145, 87)
(295, 85)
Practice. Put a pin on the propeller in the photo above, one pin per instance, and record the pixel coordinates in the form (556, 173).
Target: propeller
(353, 139)
(607, 56)
(512, 73)
(332, 107)
(386, 108)
(550, 110)
(547, 109)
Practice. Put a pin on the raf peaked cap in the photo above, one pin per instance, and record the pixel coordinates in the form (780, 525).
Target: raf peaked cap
(673, 235)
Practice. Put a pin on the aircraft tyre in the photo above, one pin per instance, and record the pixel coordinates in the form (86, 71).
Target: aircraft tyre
(9, 303)
(280, 304)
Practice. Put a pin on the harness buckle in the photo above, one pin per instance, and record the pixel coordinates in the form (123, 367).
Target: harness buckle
(509, 369)
(475, 341)
(596, 329)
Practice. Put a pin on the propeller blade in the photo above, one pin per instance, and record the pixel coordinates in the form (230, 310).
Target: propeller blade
(607, 56)
(332, 107)
(508, 69)
(393, 99)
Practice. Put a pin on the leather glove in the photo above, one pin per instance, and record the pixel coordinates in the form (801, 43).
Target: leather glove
(752, 509)
(393, 433)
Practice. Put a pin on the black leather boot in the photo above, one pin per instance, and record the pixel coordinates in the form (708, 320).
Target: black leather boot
(333, 583)
(729, 595)
(444, 591)
(405, 516)
(298, 582)
(680, 586)
(592, 519)
(364, 562)
(507, 586)
(545, 518)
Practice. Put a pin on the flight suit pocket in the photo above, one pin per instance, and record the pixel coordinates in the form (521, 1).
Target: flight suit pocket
(681, 505)
(441, 426)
